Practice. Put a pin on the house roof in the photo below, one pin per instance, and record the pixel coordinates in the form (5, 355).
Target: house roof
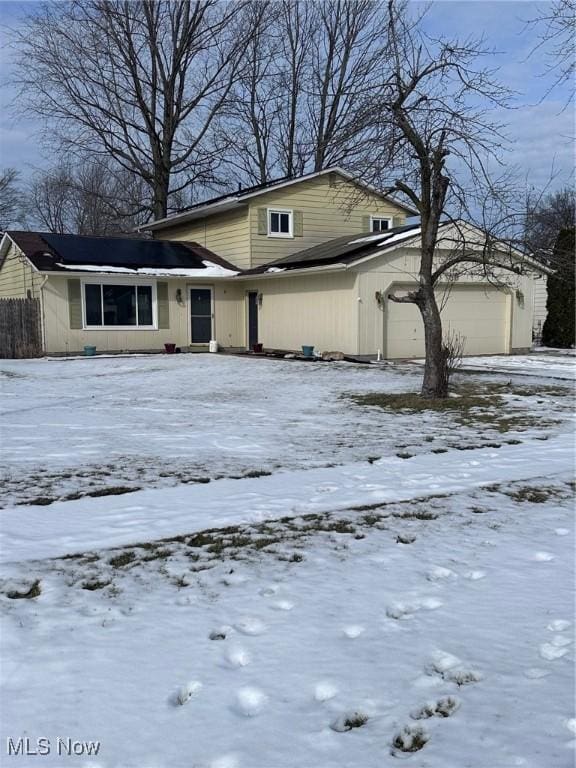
(229, 201)
(79, 253)
(351, 249)
(342, 250)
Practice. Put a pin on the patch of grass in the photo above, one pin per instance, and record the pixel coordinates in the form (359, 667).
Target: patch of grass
(156, 554)
(419, 514)
(471, 405)
(29, 594)
(122, 560)
(40, 501)
(113, 490)
(532, 495)
(92, 586)
(405, 455)
(257, 473)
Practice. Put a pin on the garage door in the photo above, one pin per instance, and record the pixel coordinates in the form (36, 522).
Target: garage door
(478, 314)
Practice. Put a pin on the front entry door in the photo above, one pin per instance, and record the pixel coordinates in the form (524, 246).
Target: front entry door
(252, 318)
(201, 315)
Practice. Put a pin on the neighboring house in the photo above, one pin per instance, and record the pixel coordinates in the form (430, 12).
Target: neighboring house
(540, 311)
(303, 261)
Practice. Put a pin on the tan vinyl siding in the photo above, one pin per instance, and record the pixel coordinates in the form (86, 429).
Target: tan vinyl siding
(226, 234)
(61, 339)
(478, 310)
(328, 208)
(17, 277)
(320, 309)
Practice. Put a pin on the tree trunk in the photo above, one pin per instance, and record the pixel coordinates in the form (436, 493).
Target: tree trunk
(435, 383)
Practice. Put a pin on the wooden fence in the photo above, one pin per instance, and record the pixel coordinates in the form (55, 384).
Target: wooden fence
(20, 334)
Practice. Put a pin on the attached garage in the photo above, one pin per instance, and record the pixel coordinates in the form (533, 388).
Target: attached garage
(479, 314)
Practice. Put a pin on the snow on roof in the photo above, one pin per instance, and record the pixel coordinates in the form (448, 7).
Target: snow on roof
(209, 270)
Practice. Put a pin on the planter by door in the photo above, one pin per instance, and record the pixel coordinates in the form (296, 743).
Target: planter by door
(252, 319)
(201, 315)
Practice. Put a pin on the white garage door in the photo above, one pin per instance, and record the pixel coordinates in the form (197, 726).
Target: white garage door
(477, 314)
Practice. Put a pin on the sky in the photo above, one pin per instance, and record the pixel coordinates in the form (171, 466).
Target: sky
(541, 125)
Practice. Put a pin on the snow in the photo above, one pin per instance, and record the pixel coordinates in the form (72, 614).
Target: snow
(111, 521)
(209, 270)
(387, 239)
(557, 366)
(352, 615)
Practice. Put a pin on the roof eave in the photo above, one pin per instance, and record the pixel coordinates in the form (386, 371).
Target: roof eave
(340, 267)
(238, 200)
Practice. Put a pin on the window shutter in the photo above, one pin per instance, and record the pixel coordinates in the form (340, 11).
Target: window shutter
(75, 303)
(365, 223)
(298, 224)
(398, 221)
(262, 221)
(163, 305)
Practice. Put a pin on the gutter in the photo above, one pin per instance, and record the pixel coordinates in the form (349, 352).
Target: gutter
(291, 272)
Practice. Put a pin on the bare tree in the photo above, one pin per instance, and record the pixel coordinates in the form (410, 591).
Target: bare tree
(248, 120)
(546, 216)
(298, 106)
(343, 72)
(137, 81)
(555, 29)
(434, 106)
(11, 199)
(86, 199)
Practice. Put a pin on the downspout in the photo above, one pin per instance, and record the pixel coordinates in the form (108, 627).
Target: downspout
(42, 316)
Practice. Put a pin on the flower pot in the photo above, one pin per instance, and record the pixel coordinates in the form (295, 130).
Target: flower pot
(307, 351)
(89, 350)
(170, 349)
(258, 348)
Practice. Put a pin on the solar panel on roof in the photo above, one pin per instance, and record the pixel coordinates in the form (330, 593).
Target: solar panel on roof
(122, 252)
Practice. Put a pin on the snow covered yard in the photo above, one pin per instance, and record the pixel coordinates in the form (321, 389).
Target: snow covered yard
(110, 425)
(378, 583)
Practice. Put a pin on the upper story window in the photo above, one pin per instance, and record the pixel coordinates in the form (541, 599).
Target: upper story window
(118, 306)
(380, 223)
(280, 222)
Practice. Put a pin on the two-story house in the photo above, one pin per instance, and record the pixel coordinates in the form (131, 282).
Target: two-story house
(306, 261)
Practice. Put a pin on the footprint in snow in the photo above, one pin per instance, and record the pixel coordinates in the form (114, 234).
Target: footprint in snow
(283, 605)
(439, 573)
(536, 673)
(250, 701)
(452, 669)
(474, 575)
(236, 657)
(443, 707)
(551, 652)
(186, 692)
(325, 691)
(543, 557)
(250, 626)
(221, 633)
(408, 740)
(353, 631)
(404, 610)
(269, 591)
(559, 625)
